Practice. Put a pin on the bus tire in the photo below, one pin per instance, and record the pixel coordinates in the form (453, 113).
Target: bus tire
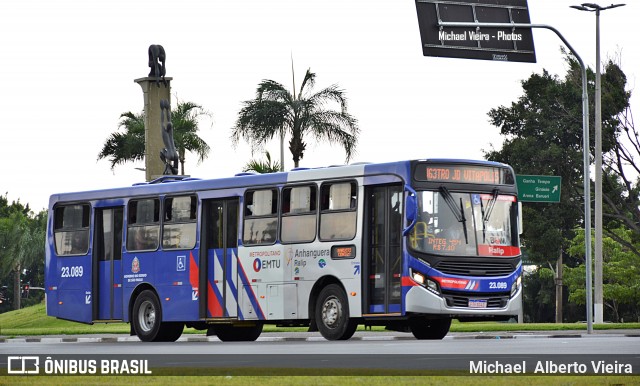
(170, 331)
(332, 314)
(231, 333)
(147, 316)
(429, 329)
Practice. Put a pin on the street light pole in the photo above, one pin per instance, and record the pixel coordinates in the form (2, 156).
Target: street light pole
(598, 297)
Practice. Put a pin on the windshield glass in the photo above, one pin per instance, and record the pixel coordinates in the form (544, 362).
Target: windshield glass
(466, 224)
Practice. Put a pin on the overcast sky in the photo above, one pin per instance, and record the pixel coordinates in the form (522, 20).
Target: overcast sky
(68, 70)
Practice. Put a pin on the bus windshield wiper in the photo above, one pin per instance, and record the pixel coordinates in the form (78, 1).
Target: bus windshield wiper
(457, 212)
(490, 206)
(487, 215)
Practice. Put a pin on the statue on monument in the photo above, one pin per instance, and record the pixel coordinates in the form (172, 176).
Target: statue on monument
(168, 155)
(157, 58)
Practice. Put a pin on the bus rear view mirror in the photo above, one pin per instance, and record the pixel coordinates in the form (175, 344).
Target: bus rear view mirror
(520, 226)
(411, 209)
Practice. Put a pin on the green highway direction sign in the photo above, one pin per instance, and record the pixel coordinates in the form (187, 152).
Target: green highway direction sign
(538, 188)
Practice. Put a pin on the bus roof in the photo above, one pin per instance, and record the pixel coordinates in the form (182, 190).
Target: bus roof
(176, 184)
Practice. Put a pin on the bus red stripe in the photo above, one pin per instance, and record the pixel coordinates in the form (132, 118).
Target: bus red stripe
(214, 307)
(408, 282)
(194, 272)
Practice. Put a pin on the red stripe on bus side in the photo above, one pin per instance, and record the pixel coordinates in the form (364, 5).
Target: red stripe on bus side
(194, 272)
(408, 282)
(213, 304)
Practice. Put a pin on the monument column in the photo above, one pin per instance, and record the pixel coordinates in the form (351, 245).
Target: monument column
(153, 91)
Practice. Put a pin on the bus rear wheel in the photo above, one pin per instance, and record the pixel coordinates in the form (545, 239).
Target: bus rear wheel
(431, 329)
(332, 314)
(147, 320)
(231, 333)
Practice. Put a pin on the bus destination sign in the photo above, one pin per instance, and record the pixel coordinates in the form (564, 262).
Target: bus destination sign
(466, 174)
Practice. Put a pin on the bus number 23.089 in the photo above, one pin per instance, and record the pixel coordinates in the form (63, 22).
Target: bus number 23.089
(72, 271)
(494, 284)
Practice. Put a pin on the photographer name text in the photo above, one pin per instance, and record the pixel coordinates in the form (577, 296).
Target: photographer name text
(479, 37)
(550, 367)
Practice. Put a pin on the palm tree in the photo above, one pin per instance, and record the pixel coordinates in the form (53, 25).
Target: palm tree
(185, 131)
(122, 147)
(262, 167)
(275, 111)
(128, 144)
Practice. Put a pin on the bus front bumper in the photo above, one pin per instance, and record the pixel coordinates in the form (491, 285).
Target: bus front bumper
(421, 301)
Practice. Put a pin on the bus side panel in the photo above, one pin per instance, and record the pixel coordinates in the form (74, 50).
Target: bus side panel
(178, 284)
(74, 297)
(313, 261)
(168, 272)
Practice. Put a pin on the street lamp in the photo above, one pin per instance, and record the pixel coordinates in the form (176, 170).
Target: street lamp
(598, 306)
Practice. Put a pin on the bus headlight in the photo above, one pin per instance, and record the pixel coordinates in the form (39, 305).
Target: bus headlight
(433, 287)
(425, 282)
(418, 278)
(516, 285)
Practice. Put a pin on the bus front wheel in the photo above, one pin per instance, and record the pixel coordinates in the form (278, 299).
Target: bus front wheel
(432, 329)
(332, 314)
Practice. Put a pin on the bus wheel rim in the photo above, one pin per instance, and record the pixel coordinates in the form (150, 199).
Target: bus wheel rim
(331, 311)
(147, 316)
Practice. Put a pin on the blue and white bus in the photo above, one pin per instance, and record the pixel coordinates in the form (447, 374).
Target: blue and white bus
(408, 245)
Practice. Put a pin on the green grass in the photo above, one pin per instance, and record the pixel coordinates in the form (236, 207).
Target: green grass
(34, 321)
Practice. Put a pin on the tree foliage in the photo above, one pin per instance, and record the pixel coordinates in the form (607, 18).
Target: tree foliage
(543, 136)
(128, 144)
(262, 167)
(620, 273)
(22, 241)
(275, 111)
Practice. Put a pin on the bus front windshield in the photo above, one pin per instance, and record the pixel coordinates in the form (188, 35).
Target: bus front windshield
(466, 224)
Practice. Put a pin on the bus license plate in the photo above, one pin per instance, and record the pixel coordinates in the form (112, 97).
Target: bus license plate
(477, 303)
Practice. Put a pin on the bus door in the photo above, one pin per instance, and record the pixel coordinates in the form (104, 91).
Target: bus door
(218, 279)
(107, 268)
(382, 249)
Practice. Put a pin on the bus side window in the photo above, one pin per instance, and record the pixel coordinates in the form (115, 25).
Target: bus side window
(71, 228)
(143, 226)
(260, 217)
(298, 214)
(179, 227)
(338, 211)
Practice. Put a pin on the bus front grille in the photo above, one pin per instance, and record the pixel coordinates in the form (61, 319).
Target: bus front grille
(466, 268)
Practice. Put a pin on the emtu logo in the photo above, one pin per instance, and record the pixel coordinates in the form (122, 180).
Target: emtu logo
(257, 265)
